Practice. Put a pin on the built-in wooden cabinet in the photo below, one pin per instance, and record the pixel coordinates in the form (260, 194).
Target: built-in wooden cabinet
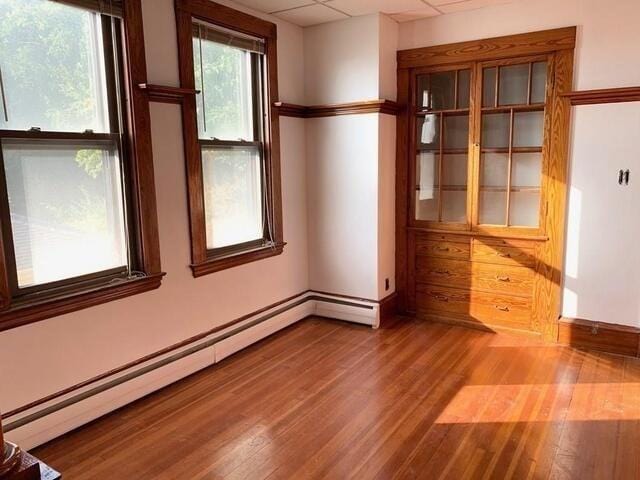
(481, 179)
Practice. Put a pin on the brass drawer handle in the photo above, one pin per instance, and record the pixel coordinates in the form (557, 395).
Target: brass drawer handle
(504, 255)
(442, 249)
(442, 298)
(441, 272)
(502, 308)
(503, 278)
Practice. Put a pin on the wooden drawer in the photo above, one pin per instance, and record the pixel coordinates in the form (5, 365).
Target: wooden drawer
(502, 278)
(442, 237)
(497, 309)
(443, 271)
(481, 307)
(443, 249)
(502, 254)
(430, 299)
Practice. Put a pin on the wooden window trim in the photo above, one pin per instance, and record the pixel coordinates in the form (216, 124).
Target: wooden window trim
(202, 261)
(17, 312)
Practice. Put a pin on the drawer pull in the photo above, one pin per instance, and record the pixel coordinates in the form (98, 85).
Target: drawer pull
(442, 298)
(504, 255)
(442, 249)
(503, 278)
(502, 308)
(441, 272)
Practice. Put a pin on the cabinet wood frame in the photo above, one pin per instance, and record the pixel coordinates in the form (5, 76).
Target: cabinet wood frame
(557, 47)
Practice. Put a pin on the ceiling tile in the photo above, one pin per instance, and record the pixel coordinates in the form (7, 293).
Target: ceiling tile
(311, 15)
(414, 15)
(269, 6)
(469, 5)
(366, 7)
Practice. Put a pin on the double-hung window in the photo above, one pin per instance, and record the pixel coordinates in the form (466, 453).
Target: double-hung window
(232, 153)
(68, 202)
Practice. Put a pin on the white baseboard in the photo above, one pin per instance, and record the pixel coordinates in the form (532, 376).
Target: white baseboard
(49, 420)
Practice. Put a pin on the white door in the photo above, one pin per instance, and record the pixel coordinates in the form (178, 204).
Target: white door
(602, 256)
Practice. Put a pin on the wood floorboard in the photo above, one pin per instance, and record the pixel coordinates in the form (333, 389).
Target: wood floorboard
(329, 400)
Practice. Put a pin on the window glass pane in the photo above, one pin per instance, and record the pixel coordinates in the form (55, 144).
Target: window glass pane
(52, 67)
(514, 84)
(232, 195)
(464, 88)
(225, 102)
(489, 87)
(427, 188)
(526, 169)
(66, 209)
(538, 82)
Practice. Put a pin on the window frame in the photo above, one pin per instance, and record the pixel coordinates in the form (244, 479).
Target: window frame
(204, 260)
(33, 303)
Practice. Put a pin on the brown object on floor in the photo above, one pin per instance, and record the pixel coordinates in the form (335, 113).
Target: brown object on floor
(327, 399)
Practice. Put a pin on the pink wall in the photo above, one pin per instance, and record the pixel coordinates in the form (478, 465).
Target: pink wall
(41, 358)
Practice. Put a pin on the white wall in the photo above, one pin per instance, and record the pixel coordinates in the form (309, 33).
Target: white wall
(600, 284)
(39, 359)
(341, 61)
(351, 158)
(342, 184)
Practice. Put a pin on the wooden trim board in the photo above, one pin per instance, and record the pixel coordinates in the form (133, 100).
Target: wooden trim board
(605, 95)
(388, 107)
(605, 337)
(533, 43)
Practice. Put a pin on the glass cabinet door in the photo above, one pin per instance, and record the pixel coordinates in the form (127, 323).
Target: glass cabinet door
(442, 142)
(511, 144)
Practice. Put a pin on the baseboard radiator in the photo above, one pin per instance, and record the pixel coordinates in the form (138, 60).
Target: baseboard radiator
(44, 419)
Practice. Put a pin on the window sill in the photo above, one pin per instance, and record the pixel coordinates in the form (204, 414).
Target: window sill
(233, 260)
(32, 311)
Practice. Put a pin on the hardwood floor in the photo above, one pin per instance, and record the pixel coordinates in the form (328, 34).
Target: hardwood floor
(326, 399)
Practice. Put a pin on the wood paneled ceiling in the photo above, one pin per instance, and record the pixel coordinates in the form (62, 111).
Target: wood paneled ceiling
(312, 12)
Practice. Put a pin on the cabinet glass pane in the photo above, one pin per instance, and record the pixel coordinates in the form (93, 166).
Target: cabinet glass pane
(427, 187)
(454, 206)
(454, 188)
(456, 131)
(428, 135)
(538, 82)
(514, 84)
(526, 177)
(526, 169)
(524, 208)
(464, 88)
(528, 129)
(495, 130)
(436, 91)
(489, 87)
(494, 178)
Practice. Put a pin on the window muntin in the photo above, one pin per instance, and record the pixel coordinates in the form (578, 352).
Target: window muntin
(229, 74)
(61, 137)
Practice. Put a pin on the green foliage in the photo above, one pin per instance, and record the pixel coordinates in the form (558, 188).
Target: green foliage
(90, 161)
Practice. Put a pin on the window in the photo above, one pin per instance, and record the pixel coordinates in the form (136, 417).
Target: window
(70, 165)
(231, 135)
